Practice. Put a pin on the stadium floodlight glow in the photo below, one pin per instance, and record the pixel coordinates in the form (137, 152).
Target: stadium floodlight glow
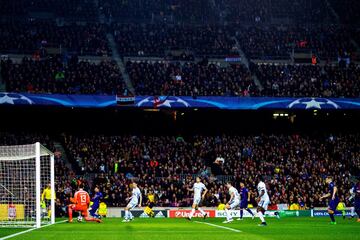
(25, 171)
(275, 115)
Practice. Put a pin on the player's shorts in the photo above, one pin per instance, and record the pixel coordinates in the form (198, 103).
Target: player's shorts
(151, 205)
(47, 202)
(132, 205)
(243, 204)
(264, 203)
(197, 201)
(333, 204)
(80, 208)
(234, 203)
(94, 208)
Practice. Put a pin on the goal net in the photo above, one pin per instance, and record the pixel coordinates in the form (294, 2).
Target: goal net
(26, 173)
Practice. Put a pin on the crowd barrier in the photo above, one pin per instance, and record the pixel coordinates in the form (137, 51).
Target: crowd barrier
(214, 213)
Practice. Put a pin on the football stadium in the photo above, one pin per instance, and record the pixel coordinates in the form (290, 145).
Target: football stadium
(179, 119)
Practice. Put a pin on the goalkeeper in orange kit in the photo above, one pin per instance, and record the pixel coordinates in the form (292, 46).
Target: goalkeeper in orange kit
(80, 203)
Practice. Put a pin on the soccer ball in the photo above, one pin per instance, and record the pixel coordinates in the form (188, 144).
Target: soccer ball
(80, 218)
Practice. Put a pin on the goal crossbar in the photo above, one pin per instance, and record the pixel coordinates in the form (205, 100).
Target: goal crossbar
(14, 152)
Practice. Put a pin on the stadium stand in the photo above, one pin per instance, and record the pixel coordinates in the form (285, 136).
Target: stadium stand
(36, 35)
(326, 42)
(190, 79)
(281, 80)
(294, 165)
(158, 40)
(53, 75)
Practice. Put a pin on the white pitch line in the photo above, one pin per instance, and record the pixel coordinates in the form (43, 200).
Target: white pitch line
(218, 226)
(29, 230)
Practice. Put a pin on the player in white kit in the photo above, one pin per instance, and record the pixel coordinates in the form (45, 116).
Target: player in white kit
(232, 203)
(135, 200)
(263, 201)
(200, 191)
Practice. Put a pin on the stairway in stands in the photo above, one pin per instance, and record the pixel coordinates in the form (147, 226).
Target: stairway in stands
(64, 157)
(2, 83)
(119, 62)
(245, 61)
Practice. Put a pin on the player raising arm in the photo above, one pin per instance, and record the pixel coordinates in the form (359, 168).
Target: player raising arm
(135, 200)
(200, 191)
(232, 203)
(81, 202)
(334, 201)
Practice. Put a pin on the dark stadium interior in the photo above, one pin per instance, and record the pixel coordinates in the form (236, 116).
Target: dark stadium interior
(125, 120)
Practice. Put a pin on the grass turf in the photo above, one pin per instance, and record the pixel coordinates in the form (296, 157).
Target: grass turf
(163, 229)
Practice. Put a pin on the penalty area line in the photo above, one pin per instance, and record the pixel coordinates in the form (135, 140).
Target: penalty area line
(219, 226)
(29, 230)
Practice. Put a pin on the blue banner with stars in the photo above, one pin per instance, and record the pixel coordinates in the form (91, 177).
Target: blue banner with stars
(231, 103)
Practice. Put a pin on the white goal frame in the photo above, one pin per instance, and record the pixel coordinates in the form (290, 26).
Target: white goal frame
(35, 153)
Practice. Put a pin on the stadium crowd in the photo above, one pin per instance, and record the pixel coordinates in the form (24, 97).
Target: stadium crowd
(58, 75)
(39, 35)
(190, 79)
(258, 11)
(282, 80)
(70, 9)
(159, 39)
(157, 11)
(326, 42)
(294, 166)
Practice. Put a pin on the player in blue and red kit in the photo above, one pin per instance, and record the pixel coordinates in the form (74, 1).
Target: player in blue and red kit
(245, 198)
(334, 199)
(96, 203)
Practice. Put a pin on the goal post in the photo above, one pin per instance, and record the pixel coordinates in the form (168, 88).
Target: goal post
(25, 172)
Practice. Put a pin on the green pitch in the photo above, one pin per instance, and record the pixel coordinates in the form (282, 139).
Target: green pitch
(211, 229)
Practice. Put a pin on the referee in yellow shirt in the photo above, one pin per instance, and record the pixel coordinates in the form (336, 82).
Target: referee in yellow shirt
(150, 204)
(46, 198)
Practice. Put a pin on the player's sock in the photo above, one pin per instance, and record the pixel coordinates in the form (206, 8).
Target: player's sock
(241, 213)
(228, 217)
(352, 211)
(70, 213)
(261, 216)
(126, 214)
(332, 217)
(192, 213)
(358, 213)
(202, 211)
(49, 213)
(249, 210)
(130, 215)
(90, 219)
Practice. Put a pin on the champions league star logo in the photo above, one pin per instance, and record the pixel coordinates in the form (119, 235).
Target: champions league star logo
(313, 103)
(14, 99)
(163, 102)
